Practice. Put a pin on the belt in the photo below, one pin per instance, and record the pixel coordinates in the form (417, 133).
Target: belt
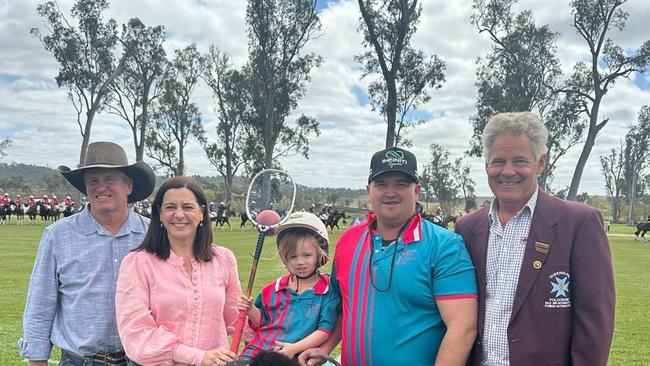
(118, 358)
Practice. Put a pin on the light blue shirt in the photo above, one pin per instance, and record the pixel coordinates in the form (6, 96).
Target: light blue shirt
(71, 299)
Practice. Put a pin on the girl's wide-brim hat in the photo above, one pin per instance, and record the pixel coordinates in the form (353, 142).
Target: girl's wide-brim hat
(109, 155)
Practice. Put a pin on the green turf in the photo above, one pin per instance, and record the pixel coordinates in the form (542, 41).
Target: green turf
(18, 245)
(621, 229)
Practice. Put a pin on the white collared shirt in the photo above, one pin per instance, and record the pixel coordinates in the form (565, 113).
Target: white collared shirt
(505, 253)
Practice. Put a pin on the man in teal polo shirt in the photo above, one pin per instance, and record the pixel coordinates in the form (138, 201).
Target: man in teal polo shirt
(408, 289)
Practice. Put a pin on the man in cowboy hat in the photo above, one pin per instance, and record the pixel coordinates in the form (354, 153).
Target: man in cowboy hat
(71, 299)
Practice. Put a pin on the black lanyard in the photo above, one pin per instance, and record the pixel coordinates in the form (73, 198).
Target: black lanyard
(392, 260)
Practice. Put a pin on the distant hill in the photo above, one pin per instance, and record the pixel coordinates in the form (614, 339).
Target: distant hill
(28, 179)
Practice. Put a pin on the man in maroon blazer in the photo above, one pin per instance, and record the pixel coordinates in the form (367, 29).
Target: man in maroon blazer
(543, 265)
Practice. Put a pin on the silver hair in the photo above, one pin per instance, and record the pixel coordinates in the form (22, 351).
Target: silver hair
(519, 123)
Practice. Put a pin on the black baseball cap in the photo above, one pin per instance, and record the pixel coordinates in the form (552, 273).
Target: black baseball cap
(393, 159)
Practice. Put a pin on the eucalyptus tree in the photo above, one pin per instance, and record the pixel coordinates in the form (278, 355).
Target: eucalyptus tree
(402, 76)
(466, 185)
(176, 117)
(440, 180)
(279, 70)
(521, 73)
(636, 159)
(135, 88)
(608, 62)
(4, 145)
(86, 56)
(612, 167)
(232, 105)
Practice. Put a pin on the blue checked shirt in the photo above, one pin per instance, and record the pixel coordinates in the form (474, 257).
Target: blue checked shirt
(71, 299)
(506, 247)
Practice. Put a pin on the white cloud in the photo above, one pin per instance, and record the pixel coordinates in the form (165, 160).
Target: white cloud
(38, 117)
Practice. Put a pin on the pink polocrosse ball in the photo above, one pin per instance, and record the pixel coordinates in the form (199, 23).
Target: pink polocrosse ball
(267, 218)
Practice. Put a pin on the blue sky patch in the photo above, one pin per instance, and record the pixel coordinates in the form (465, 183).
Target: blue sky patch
(642, 81)
(13, 129)
(322, 4)
(362, 97)
(9, 78)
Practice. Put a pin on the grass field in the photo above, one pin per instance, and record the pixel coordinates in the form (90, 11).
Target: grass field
(18, 245)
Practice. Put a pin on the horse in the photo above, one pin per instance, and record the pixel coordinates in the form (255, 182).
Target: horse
(333, 220)
(20, 214)
(56, 211)
(222, 217)
(44, 211)
(5, 212)
(641, 228)
(444, 222)
(244, 219)
(32, 212)
(140, 209)
(68, 211)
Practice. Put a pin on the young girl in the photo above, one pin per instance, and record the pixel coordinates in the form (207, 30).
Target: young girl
(296, 311)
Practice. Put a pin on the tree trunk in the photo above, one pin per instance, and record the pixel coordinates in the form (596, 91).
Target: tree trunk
(228, 184)
(632, 196)
(139, 145)
(616, 208)
(181, 159)
(391, 111)
(586, 149)
(90, 115)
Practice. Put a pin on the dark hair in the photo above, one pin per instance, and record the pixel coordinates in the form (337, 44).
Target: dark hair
(273, 359)
(156, 240)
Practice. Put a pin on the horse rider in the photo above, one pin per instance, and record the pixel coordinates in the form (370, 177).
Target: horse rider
(253, 209)
(45, 200)
(324, 212)
(83, 203)
(31, 201)
(55, 200)
(68, 201)
(5, 199)
(438, 217)
(18, 201)
(312, 209)
(220, 209)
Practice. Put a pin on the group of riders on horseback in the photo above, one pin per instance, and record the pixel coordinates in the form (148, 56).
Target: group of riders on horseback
(220, 214)
(49, 209)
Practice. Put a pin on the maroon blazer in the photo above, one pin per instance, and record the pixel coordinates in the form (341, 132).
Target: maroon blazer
(566, 243)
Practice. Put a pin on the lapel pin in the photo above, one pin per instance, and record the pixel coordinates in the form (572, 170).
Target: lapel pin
(537, 264)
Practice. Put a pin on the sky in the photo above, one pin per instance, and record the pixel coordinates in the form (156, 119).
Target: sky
(40, 120)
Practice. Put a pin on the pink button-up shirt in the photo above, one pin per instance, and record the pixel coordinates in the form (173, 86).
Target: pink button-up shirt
(166, 316)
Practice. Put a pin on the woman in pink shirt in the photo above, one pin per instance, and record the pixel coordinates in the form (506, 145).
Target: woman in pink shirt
(177, 293)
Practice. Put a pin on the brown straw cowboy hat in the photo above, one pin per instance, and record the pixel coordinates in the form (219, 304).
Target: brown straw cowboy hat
(109, 155)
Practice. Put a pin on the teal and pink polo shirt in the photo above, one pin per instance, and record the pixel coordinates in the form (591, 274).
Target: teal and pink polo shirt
(288, 316)
(395, 321)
